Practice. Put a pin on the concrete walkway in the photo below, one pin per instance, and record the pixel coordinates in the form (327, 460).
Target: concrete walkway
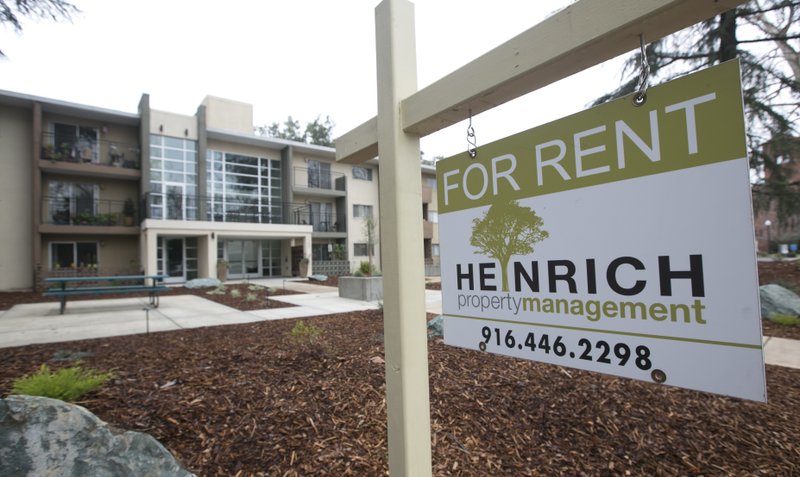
(87, 319)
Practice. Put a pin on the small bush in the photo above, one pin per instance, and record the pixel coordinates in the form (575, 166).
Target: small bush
(785, 320)
(366, 269)
(254, 288)
(220, 290)
(235, 293)
(251, 297)
(304, 334)
(67, 384)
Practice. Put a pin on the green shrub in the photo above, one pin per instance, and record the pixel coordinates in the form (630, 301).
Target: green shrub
(785, 320)
(251, 297)
(67, 384)
(220, 290)
(366, 269)
(235, 293)
(304, 334)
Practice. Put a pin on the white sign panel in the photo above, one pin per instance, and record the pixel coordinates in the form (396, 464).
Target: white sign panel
(617, 240)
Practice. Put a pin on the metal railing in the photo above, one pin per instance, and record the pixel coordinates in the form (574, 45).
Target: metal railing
(90, 151)
(319, 221)
(318, 179)
(221, 209)
(77, 211)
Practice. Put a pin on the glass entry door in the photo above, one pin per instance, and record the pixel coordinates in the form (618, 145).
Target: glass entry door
(174, 260)
(243, 258)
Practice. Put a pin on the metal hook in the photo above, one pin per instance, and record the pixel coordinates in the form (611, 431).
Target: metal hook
(640, 97)
(472, 145)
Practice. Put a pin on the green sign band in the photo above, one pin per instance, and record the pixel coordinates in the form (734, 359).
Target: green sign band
(684, 123)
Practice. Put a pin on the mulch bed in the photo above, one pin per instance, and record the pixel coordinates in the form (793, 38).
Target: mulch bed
(252, 400)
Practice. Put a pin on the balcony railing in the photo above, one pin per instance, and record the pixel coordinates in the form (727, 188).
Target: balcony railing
(319, 221)
(88, 151)
(318, 179)
(221, 209)
(81, 211)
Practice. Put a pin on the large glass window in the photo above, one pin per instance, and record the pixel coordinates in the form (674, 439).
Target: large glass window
(173, 178)
(73, 254)
(243, 188)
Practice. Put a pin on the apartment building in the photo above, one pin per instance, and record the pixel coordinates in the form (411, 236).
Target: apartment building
(93, 191)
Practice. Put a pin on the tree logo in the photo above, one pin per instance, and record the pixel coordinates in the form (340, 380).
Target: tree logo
(507, 229)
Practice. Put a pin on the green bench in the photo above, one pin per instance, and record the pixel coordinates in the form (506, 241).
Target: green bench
(65, 287)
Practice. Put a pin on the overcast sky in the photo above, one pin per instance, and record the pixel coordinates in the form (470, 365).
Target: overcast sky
(301, 57)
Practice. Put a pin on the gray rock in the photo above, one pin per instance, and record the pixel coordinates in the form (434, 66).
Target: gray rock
(436, 327)
(203, 283)
(318, 277)
(42, 436)
(778, 300)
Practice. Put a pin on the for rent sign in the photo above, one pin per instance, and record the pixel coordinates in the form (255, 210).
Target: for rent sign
(618, 240)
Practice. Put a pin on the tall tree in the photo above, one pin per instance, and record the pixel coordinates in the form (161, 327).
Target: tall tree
(316, 132)
(319, 132)
(507, 229)
(12, 11)
(765, 36)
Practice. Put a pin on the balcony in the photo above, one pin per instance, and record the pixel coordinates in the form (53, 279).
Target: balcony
(221, 209)
(318, 182)
(66, 215)
(90, 157)
(325, 224)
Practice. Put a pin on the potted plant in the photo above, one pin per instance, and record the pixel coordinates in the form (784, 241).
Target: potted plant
(128, 212)
(222, 270)
(304, 266)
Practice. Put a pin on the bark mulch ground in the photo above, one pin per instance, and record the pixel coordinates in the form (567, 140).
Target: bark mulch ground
(255, 400)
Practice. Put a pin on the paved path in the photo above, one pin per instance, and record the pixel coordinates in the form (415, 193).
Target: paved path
(87, 319)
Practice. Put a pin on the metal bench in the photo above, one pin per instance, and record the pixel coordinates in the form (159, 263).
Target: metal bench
(92, 286)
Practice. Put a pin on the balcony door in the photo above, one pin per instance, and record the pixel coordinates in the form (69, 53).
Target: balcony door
(319, 174)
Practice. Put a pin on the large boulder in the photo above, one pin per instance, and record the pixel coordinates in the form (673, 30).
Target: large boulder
(203, 283)
(778, 300)
(42, 436)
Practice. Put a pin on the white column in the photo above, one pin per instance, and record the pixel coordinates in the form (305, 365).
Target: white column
(150, 257)
(406, 338)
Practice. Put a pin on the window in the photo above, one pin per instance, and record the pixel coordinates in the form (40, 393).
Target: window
(243, 188)
(173, 178)
(433, 217)
(363, 173)
(431, 182)
(360, 250)
(435, 249)
(72, 254)
(360, 210)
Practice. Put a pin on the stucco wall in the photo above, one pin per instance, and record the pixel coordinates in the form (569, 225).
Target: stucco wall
(16, 202)
(228, 115)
